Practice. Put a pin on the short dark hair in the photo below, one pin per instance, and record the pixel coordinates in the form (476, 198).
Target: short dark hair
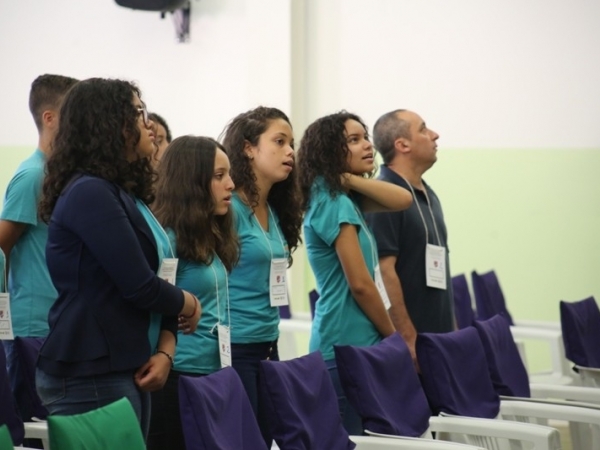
(159, 120)
(47, 92)
(387, 129)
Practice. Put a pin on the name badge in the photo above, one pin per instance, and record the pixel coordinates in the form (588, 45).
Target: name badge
(168, 269)
(224, 345)
(435, 266)
(278, 283)
(6, 329)
(381, 288)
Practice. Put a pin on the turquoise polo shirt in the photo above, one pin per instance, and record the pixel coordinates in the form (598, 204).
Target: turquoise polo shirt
(253, 319)
(165, 250)
(31, 290)
(199, 352)
(338, 318)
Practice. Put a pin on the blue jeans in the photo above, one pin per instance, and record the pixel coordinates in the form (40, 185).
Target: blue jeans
(17, 381)
(245, 359)
(350, 418)
(77, 395)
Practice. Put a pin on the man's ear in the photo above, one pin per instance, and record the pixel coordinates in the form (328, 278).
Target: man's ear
(402, 145)
(50, 118)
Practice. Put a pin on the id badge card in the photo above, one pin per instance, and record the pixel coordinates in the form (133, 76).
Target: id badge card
(278, 282)
(6, 329)
(224, 345)
(381, 288)
(168, 269)
(435, 266)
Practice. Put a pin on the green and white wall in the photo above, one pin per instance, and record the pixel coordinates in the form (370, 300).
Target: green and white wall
(511, 87)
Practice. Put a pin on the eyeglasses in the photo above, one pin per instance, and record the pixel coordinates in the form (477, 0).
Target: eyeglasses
(144, 113)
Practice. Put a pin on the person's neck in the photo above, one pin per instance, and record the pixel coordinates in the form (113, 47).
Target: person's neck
(44, 143)
(410, 173)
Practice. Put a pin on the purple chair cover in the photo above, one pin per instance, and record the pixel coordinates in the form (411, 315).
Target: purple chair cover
(463, 307)
(313, 296)
(8, 409)
(301, 404)
(507, 370)
(285, 312)
(381, 383)
(489, 298)
(580, 323)
(454, 374)
(216, 413)
(28, 349)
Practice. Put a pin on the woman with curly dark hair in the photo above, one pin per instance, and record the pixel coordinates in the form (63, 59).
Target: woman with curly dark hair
(335, 162)
(113, 325)
(193, 200)
(268, 217)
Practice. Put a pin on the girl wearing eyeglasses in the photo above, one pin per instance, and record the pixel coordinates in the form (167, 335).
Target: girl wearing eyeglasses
(114, 322)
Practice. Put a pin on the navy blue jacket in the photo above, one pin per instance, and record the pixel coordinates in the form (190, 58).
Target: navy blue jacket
(102, 259)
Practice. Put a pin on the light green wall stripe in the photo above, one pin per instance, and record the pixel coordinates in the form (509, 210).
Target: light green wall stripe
(532, 215)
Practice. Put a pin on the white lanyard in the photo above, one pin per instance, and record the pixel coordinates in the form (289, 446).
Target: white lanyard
(167, 269)
(160, 227)
(6, 329)
(421, 213)
(216, 258)
(223, 331)
(435, 255)
(265, 234)
(376, 270)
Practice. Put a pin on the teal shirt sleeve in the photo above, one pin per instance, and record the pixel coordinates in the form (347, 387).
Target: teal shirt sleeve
(330, 213)
(22, 196)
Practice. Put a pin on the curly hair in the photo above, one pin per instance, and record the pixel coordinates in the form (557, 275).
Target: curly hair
(98, 128)
(184, 202)
(283, 197)
(324, 152)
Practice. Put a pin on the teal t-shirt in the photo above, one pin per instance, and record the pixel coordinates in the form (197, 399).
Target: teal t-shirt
(3, 274)
(252, 316)
(31, 290)
(163, 246)
(199, 352)
(338, 318)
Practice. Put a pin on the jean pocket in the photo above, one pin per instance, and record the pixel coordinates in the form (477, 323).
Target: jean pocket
(49, 388)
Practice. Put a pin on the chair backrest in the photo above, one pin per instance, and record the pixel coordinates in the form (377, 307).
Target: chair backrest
(313, 296)
(9, 415)
(6, 442)
(489, 298)
(301, 404)
(463, 304)
(381, 383)
(454, 374)
(285, 312)
(28, 349)
(506, 367)
(580, 323)
(106, 428)
(216, 413)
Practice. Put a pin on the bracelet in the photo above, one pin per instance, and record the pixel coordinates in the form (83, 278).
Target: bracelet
(195, 309)
(167, 355)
